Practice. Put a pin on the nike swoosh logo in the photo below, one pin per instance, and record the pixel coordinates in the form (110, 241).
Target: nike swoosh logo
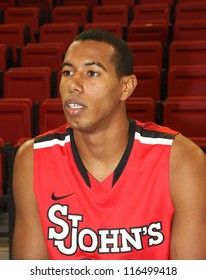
(54, 197)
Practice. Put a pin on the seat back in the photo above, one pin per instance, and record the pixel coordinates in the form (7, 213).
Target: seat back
(30, 16)
(129, 3)
(58, 32)
(187, 53)
(44, 55)
(147, 53)
(114, 27)
(188, 11)
(189, 30)
(142, 31)
(148, 82)
(51, 115)
(15, 120)
(141, 108)
(169, 2)
(110, 13)
(186, 115)
(28, 82)
(152, 13)
(187, 80)
(42, 4)
(14, 36)
(89, 3)
(70, 14)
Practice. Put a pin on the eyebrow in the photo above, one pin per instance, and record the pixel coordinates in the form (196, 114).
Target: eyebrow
(86, 64)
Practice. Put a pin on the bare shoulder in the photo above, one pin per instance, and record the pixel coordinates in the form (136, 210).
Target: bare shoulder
(184, 146)
(25, 151)
(188, 192)
(188, 162)
(187, 156)
(23, 167)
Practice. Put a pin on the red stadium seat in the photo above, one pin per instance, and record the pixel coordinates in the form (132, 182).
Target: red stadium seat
(51, 114)
(188, 11)
(89, 3)
(189, 30)
(147, 53)
(110, 13)
(187, 80)
(70, 14)
(30, 16)
(170, 2)
(28, 82)
(188, 116)
(141, 108)
(14, 36)
(58, 32)
(152, 31)
(152, 13)
(42, 4)
(187, 53)
(15, 120)
(114, 27)
(129, 3)
(148, 82)
(44, 55)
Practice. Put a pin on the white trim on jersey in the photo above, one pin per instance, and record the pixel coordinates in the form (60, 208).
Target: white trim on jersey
(152, 141)
(50, 143)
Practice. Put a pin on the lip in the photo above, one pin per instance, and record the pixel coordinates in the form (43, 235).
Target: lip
(74, 107)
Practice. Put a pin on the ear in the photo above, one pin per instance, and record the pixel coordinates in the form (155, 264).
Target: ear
(129, 84)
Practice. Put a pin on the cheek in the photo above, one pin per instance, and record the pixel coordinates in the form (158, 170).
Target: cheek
(103, 101)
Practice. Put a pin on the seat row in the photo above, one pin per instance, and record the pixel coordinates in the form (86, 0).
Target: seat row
(50, 54)
(184, 114)
(39, 83)
(17, 116)
(39, 74)
(145, 18)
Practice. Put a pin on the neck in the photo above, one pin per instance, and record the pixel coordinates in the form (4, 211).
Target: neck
(101, 151)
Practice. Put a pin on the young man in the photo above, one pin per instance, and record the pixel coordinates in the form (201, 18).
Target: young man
(103, 186)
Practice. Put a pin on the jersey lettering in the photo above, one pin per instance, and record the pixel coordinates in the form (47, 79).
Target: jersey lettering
(116, 240)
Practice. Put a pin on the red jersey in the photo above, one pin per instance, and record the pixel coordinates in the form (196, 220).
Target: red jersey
(127, 216)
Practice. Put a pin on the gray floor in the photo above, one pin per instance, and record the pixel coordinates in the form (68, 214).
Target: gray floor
(4, 240)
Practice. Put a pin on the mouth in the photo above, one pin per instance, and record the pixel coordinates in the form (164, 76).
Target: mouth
(74, 108)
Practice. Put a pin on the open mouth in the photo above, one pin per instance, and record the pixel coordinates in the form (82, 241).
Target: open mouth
(74, 106)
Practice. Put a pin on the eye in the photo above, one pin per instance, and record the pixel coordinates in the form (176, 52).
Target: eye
(67, 73)
(93, 73)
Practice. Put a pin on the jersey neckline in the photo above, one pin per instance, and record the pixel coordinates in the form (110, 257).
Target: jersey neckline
(122, 163)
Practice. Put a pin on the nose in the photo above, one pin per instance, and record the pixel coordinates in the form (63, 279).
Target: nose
(75, 84)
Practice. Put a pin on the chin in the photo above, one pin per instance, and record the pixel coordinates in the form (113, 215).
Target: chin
(78, 125)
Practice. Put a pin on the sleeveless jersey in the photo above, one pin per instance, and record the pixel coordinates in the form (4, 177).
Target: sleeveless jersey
(127, 216)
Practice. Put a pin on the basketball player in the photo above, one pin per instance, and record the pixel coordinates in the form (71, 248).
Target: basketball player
(103, 186)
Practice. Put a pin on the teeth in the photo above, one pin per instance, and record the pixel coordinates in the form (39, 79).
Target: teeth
(75, 106)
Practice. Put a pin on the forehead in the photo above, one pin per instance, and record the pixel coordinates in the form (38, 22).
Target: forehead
(90, 50)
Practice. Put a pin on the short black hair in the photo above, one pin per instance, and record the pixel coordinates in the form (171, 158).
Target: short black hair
(123, 56)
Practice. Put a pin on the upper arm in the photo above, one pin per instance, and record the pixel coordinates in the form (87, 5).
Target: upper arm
(188, 190)
(28, 240)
